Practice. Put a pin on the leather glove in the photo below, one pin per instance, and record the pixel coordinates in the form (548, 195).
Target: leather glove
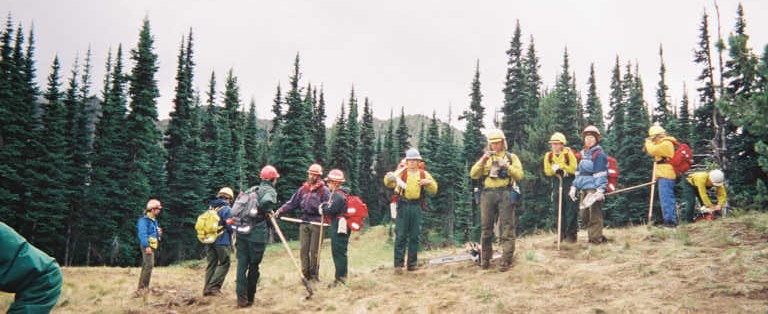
(322, 208)
(390, 176)
(599, 195)
(277, 214)
(555, 167)
(572, 193)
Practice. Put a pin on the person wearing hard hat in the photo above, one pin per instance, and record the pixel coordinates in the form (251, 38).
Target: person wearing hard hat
(499, 172)
(591, 182)
(696, 187)
(308, 198)
(29, 273)
(334, 210)
(149, 234)
(560, 163)
(659, 145)
(217, 253)
(250, 246)
(409, 183)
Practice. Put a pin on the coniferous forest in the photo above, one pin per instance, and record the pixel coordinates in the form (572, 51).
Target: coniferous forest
(77, 165)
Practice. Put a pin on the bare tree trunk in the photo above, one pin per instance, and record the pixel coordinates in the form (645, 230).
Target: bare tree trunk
(67, 243)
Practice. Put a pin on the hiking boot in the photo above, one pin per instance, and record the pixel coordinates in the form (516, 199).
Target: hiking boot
(337, 282)
(242, 301)
(413, 268)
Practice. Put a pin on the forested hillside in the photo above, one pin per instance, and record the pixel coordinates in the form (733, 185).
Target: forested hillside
(74, 175)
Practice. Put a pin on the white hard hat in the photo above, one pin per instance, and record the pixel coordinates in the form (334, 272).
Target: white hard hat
(717, 177)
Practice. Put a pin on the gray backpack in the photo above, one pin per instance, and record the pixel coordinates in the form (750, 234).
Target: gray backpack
(245, 210)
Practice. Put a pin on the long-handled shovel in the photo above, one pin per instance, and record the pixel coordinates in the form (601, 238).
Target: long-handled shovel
(559, 210)
(650, 206)
(288, 249)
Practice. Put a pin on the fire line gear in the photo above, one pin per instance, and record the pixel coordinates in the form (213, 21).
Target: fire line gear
(268, 173)
(315, 169)
(591, 129)
(558, 137)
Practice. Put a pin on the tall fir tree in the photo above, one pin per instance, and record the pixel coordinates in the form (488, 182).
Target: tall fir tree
(616, 113)
(353, 132)
(684, 116)
(515, 113)
(294, 152)
(474, 147)
(320, 148)
(231, 148)
(255, 140)
(568, 105)
(402, 136)
(533, 81)
(277, 121)
(368, 178)
(662, 113)
(708, 119)
(594, 108)
(341, 156)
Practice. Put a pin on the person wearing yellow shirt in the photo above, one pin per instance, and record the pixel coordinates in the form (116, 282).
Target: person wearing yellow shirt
(696, 186)
(499, 171)
(560, 162)
(410, 184)
(659, 145)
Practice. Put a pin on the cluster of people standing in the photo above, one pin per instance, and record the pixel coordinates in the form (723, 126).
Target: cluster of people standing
(583, 172)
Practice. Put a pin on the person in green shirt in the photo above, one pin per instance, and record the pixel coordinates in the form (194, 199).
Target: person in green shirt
(32, 275)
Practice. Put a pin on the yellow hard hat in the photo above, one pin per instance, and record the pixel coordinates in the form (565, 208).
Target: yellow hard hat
(558, 137)
(496, 135)
(656, 130)
(227, 191)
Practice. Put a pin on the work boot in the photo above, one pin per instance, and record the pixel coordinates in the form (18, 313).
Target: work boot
(413, 268)
(242, 301)
(338, 282)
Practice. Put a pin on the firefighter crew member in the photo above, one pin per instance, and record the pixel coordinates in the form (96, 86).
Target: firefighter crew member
(696, 187)
(591, 180)
(499, 171)
(409, 183)
(560, 162)
(659, 145)
(334, 210)
(28, 272)
(308, 198)
(149, 237)
(250, 247)
(217, 253)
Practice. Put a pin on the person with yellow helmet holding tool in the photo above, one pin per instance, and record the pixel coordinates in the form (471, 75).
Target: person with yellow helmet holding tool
(498, 171)
(696, 186)
(560, 165)
(217, 253)
(410, 184)
(660, 146)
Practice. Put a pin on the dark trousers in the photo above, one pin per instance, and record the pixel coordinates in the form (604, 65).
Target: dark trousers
(593, 218)
(339, 244)
(497, 203)
(218, 266)
(407, 230)
(569, 219)
(249, 255)
(147, 263)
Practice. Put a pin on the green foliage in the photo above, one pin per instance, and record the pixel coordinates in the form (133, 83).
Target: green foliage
(515, 89)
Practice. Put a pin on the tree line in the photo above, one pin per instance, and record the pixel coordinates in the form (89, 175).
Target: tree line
(78, 165)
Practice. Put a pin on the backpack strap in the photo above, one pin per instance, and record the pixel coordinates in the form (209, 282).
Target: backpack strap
(566, 150)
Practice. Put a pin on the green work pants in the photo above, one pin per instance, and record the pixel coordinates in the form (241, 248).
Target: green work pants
(593, 217)
(218, 266)
(309, 237)
(407, 230)
(339, 244)
(497, 202)
(569, 220)
(249, 255)
(147, 263)
(690, 194)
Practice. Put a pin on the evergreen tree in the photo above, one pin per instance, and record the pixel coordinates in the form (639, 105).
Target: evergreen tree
(378, 211)
(368, 178)
(515, 113)
(341, 156)
(353, 133)
(403, 136)
(662, 114)
(616, 113)
(320, 150)
(684, 117)
(707, 117)
(254, 141)
(231, 148)
(533, 79)
(568, 106)
(294, 153)
(277, 121)
(594, 108)
(474, 147)
(391, 151)
(211, 133)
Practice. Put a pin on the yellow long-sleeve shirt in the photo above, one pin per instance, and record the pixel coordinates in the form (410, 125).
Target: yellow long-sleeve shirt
(661, 150)
(560, 159)
(413, 189)
(701, 181)
(514, 169)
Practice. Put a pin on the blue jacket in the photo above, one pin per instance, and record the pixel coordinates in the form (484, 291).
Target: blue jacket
(308, 200)
(592, 174)
(147, 229)
(224, 213)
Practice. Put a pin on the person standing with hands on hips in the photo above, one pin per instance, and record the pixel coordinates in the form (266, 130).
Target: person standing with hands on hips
(499, 171)
(410, 185)
(149, 236)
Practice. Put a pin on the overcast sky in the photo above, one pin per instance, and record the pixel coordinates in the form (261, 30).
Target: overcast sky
(416, 54)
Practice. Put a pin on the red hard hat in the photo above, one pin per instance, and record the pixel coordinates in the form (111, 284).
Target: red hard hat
(335, 175)
(268, 172)
(591, 129)
(315, 169)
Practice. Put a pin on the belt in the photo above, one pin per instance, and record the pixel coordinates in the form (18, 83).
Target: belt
(506, 187)
(408, 200)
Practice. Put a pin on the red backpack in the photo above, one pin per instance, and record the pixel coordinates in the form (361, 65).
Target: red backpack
(682, 160)
(356, 211)
(613, 169)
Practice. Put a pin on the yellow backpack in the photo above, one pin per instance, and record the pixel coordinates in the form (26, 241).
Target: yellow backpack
(208, 225)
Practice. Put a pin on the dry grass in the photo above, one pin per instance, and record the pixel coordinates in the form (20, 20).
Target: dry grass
(708, 267)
